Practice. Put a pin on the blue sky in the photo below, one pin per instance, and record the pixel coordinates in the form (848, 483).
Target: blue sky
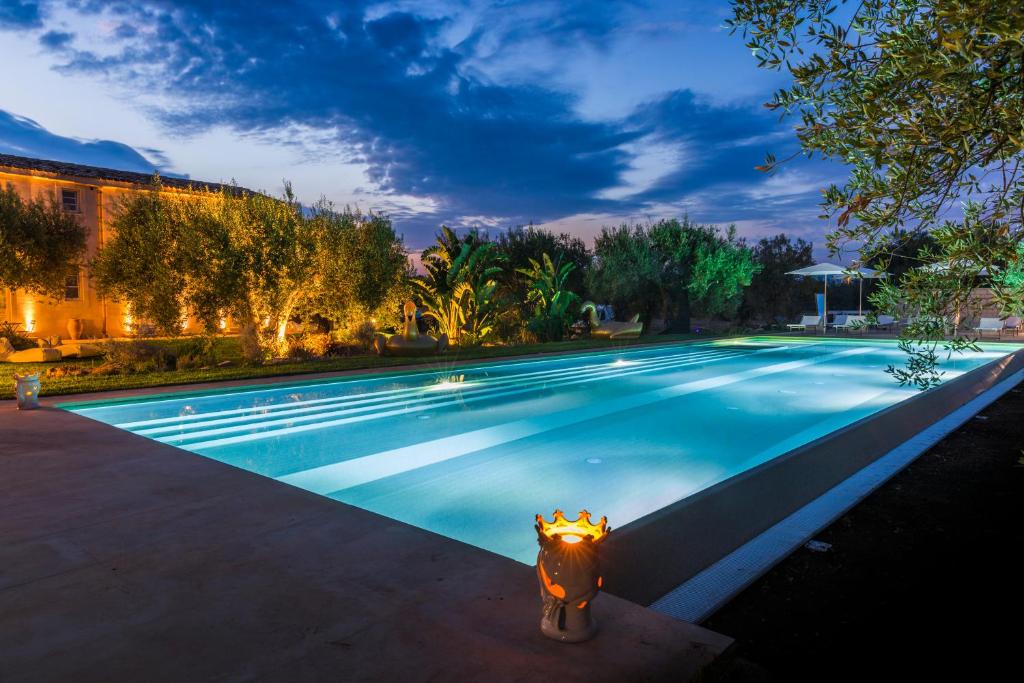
(469, 113)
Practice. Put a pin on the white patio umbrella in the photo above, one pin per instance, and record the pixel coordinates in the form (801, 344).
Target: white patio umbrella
(822, 270)
(862, 274)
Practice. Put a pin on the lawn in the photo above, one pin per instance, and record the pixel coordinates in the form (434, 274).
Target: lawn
(227, 349)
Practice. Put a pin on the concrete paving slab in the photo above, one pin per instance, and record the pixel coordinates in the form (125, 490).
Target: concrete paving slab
(126, 559)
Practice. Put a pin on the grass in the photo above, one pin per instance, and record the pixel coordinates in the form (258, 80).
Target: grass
(227, 349)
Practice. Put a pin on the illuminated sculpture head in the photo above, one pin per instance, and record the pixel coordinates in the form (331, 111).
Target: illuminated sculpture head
(568, 569)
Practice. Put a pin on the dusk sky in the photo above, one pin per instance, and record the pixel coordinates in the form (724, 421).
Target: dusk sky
(569, 114)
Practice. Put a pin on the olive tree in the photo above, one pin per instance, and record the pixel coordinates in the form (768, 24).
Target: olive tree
(360, 269)
(672, 269)
(923, 101)
(41, 245)
(208, 255)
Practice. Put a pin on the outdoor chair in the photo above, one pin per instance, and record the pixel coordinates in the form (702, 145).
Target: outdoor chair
(1012, 324)
(990, 325)
(886, 322)
(851, 322)
(805, 322)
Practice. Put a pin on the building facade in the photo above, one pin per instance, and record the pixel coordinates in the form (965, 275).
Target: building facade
(91, 194)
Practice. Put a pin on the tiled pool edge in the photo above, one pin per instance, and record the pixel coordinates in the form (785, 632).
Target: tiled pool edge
(699, 597)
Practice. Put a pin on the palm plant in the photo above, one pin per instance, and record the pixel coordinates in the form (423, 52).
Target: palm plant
(459, 290)
(552, 302)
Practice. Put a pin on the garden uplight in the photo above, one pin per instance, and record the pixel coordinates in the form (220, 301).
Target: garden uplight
(568, 568)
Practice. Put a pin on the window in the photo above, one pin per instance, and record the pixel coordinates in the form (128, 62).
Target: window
(69, 201)
(71, 287)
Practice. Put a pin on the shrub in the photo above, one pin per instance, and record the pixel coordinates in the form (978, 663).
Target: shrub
(196, 352)
(124, 358)
(19, 340)
(363, 335)
(316, 344)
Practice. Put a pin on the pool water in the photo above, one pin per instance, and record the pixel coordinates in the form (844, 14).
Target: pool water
(620, 433)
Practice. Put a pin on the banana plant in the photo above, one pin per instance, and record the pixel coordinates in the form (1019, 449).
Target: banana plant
(553, 302)
(459, 290)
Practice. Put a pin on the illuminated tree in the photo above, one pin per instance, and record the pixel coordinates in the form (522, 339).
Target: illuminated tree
(41, 245)
(553, 303)
(672, 269)
(459, 291)
(360, 269)
(211, 254)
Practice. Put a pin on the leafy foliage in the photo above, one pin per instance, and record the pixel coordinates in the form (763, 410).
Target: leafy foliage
(673, 269)
(18, 339)
(41, 245)
(459, 292)
(359, 269)
(1008, 284)
(523, 244)
(552, 301)
(149, 263)
(924, 101)
(773, 294)
(208, 255)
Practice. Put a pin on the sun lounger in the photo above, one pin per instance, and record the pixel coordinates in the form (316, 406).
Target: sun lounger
(990, 325)
(9, 355)
(886, 322)
(851, 322)
(77, 350)
(838, 320)
(1012, 324)
(805, 322)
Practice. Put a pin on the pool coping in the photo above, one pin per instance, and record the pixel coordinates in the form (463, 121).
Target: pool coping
(188, 390)
(114, 396)
(648, 558)
(712, 588)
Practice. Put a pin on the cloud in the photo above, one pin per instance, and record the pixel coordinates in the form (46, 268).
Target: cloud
(395, 95)
(24, 137)
(20, 14)
(395, 86)
(55, 40)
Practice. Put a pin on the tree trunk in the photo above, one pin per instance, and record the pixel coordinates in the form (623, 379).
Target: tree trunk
(684, 312)
(680, 322)
(249, 339)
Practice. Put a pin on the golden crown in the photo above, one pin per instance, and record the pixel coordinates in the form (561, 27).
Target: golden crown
(573, 531)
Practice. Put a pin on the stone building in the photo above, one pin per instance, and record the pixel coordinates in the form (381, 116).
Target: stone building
(91, 194)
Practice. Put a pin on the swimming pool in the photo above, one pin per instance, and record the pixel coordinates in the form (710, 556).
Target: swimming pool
(621, 433)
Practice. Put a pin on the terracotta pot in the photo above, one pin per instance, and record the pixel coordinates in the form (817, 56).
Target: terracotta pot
(75, 328)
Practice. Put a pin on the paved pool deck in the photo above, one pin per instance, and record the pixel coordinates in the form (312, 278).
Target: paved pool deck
(123, 559)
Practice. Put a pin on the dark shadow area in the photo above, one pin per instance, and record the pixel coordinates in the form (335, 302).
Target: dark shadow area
(922, 579)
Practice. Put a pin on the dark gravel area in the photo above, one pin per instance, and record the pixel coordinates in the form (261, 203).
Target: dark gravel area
(923, 580)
